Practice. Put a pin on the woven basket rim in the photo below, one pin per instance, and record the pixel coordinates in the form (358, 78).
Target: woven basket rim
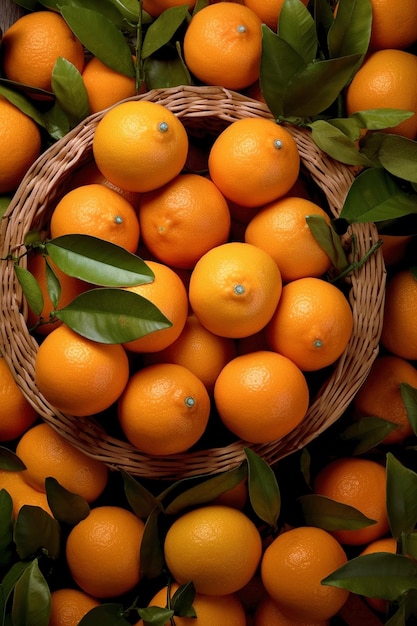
(202, 110)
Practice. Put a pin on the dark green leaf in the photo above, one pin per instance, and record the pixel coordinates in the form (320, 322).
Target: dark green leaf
(151, 549)
(182, 600)
(6, 529)
(336, 144)
(21, 102)
(29, 5)
(409, 397)
(69, 91)
(398, 155)
(142, 501)
(381, 575)
(31, 289)
(36, 530)
(101, 37)
(399, 618)
(409, 542)
(351, 29)
(10, 579)
(264, 494)
(52, 282)
(4, 204)
(165, 72)
(122, 14)
(368, 431)
(10, 461)
(316, 87)
(56, 122)
(31, 599)
(109, 315)
(296, 27)
(401, 497)
(206, 490)
(107, 614)
(155, 616)
(162, 30)
(374, 196)
(329, 240)
(328, 514)
(98, 261)
(66, 506)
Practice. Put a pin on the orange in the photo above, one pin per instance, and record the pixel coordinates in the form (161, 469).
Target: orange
(234, 289)
(156, 7)
(261, 396)
(168, 293)
(103, 551)
(292, 569)
(269, 613)
(312, 324)
(183, 219)
(79, 376)
(360, 483)
(45, 452)
(282, 230)
(380, 395)
(164, 409)
(98, 211)
(395, 247)
(140, 145)
(210, 610)
(68, 606)
(217, 547)
(105, 86)
(386, 544)
(198, 349)
(268, 10)
(394, 24)
(70, 289)
(21, 493)
(223, 45)
(399, 331)
(20, 145)
(16, 412)
(386, 79)
(32, 45)
(254, 161)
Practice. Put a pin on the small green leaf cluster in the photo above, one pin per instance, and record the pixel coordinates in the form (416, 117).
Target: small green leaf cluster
(107, 312)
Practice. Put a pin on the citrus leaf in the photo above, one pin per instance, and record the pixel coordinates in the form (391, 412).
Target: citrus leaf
(69, 90)
(409, 397)
(264, 493)
(336, 143)
(401, 497)
(328, 240)
(36, 530)
(182, 600)
(381, 575)
(142, 501)
(107, 614)
(162, 30)
(374, 196)
(31, 289)
(369, 431)
(156, 616)
(165, 72)
(398, 155)
(56, 122)
(101, 37)
(350, 32)
(66, 506)
(117, 12)
(11, 577)
(109, 315)
(410, 544)
(296, 27)
(6, 529)
(21, 102)
(32, 598)
(329, 514)
(10, 461)
(4, 204)
(151, 548)
(379, 119)
(98, 261)
(53, 283)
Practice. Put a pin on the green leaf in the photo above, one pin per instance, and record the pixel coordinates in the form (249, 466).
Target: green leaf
(122, 14)
(161, 73)
(52, 282)
(374, 196)
(264, 494)
(36, 530)
(10, 461)
(296, 27)
(329, 514)
(21, 102)
(379, 119)
(329, 240)
(67, 507)
(101, 37)
(336, 144)
(182, 600)
(351, 30)
(162, 30)
(401, 497)
(69, 91)
(8, 583)
(110, 315)
(56, 122)
(142, 501)
(4, 204)
(31, 289)
(409, 397)
(31, 598)
(398, 155)
(207, 490)
(98, 261)
(381, 575)
(107, 614)
(409, 542)
(369, 431)
(6, 529)
(156, 616)
(152, 561)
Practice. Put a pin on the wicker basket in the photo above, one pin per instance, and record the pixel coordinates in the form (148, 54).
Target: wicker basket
(203, 110)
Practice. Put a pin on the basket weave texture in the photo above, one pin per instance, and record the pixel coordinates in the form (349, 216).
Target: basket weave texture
(203, 111)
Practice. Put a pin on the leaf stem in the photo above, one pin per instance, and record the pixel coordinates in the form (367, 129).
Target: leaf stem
(356, 265)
